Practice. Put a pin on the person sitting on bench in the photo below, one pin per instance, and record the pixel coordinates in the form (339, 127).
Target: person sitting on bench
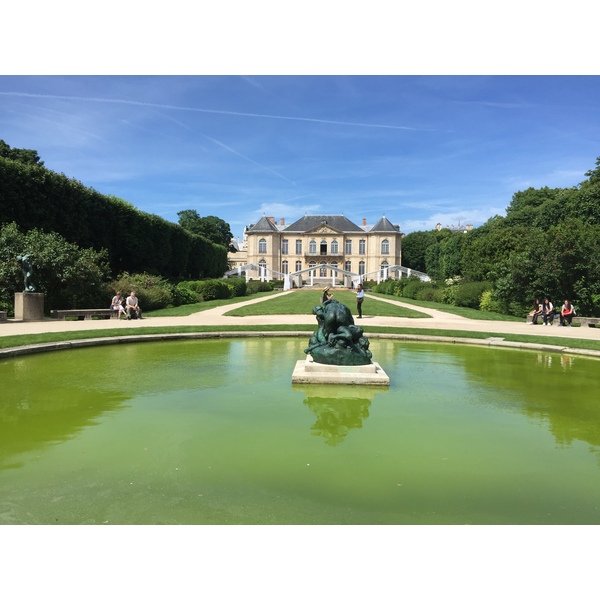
(133, 306)
(566, 314)
(117, 304)
(548, 314)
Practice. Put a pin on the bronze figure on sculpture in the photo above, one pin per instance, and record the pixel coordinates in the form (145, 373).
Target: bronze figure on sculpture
(25, 263)
(337, 341)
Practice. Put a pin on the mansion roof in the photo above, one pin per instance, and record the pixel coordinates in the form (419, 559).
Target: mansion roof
(309, 222)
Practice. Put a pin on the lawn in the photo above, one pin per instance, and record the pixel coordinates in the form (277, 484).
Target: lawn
(301, 302)
(461, 311)
(190, 309)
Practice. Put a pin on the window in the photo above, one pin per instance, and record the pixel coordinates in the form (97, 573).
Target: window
(323, 248)
(312, 264)
(284, 267)
(298, 246)
(385, 247)
(262, 246)
(334, 264)
(362, 247)
(298, 265)
(348, 246)
(323, 269)
(312, 247)
(262, 264)
(361, 267)
(284, 246)
(334, 247)
(348, 266)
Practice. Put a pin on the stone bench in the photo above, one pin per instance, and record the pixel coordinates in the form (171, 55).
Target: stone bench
(85, 313)
(583, 321)
(3, 315)
(589, 321)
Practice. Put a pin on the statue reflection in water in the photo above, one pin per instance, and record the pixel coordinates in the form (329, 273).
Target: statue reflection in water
(339, 409)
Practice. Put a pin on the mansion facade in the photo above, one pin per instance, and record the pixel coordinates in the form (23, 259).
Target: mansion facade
(325, 247)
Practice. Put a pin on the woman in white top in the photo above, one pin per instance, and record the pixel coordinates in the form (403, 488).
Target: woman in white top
(116, 304)
(548, 312)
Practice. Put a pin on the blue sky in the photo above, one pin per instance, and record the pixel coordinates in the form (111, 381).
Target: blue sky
(417, 149)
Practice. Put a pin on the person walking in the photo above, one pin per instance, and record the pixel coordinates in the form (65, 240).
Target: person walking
(360, 296)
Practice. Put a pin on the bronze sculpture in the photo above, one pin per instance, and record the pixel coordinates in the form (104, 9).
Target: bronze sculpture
(338, 341)
(27, 269)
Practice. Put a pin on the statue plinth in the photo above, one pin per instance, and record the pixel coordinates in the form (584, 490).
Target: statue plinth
(338, 352)
(29, 306)
(309, 371)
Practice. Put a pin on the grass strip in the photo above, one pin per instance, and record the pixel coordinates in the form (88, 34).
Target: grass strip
(42, 338)
(301, 302)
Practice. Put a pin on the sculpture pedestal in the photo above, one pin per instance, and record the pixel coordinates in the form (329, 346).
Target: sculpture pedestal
(309, 371)
(29, 306)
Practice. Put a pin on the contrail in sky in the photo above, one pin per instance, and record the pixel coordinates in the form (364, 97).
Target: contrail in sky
(246, 158)
(209, 110)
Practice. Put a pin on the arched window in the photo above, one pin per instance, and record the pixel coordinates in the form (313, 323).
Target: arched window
(361, 267)
(385, 247)
(284, 267)
(262, 246)
(348, 266)
(323, 248)
(262, 264)
(323, 269)
(362, 247)
(284, 246)
(312, 247)
(384, 266)
(298, 265)
(334, 247)
(312, 265)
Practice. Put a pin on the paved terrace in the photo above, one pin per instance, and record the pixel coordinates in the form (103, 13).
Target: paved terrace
(216, 316)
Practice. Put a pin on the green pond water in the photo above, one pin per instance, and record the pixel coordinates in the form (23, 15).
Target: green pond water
(213, 432)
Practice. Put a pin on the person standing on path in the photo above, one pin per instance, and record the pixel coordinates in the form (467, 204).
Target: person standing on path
(360, 296)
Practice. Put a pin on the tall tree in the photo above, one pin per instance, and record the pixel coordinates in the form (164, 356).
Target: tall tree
(22, 155)
(213, 228)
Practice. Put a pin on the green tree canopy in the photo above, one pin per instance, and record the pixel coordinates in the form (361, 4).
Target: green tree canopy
(22, 155)
(213, 228)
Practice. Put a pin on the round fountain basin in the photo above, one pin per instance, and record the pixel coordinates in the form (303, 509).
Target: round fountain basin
(214, 432)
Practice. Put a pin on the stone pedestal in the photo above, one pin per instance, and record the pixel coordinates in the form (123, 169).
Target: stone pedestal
(308, 371)
(29, 306)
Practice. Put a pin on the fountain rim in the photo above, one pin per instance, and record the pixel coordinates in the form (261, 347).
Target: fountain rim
(491, 342)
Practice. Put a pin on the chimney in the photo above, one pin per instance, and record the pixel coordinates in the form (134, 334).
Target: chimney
(272, 219)
(364, 222)
(281, 222)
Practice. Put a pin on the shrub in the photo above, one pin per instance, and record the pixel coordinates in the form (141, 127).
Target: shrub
(469, 294)
(488, 303)
(426, 293)
(414, 286)
(255, 286)
(237, 285)
(183, 294)
(153, 291)
(212, 289)
(69, 276)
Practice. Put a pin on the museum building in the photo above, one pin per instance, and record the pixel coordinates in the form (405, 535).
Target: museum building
(323, 244)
